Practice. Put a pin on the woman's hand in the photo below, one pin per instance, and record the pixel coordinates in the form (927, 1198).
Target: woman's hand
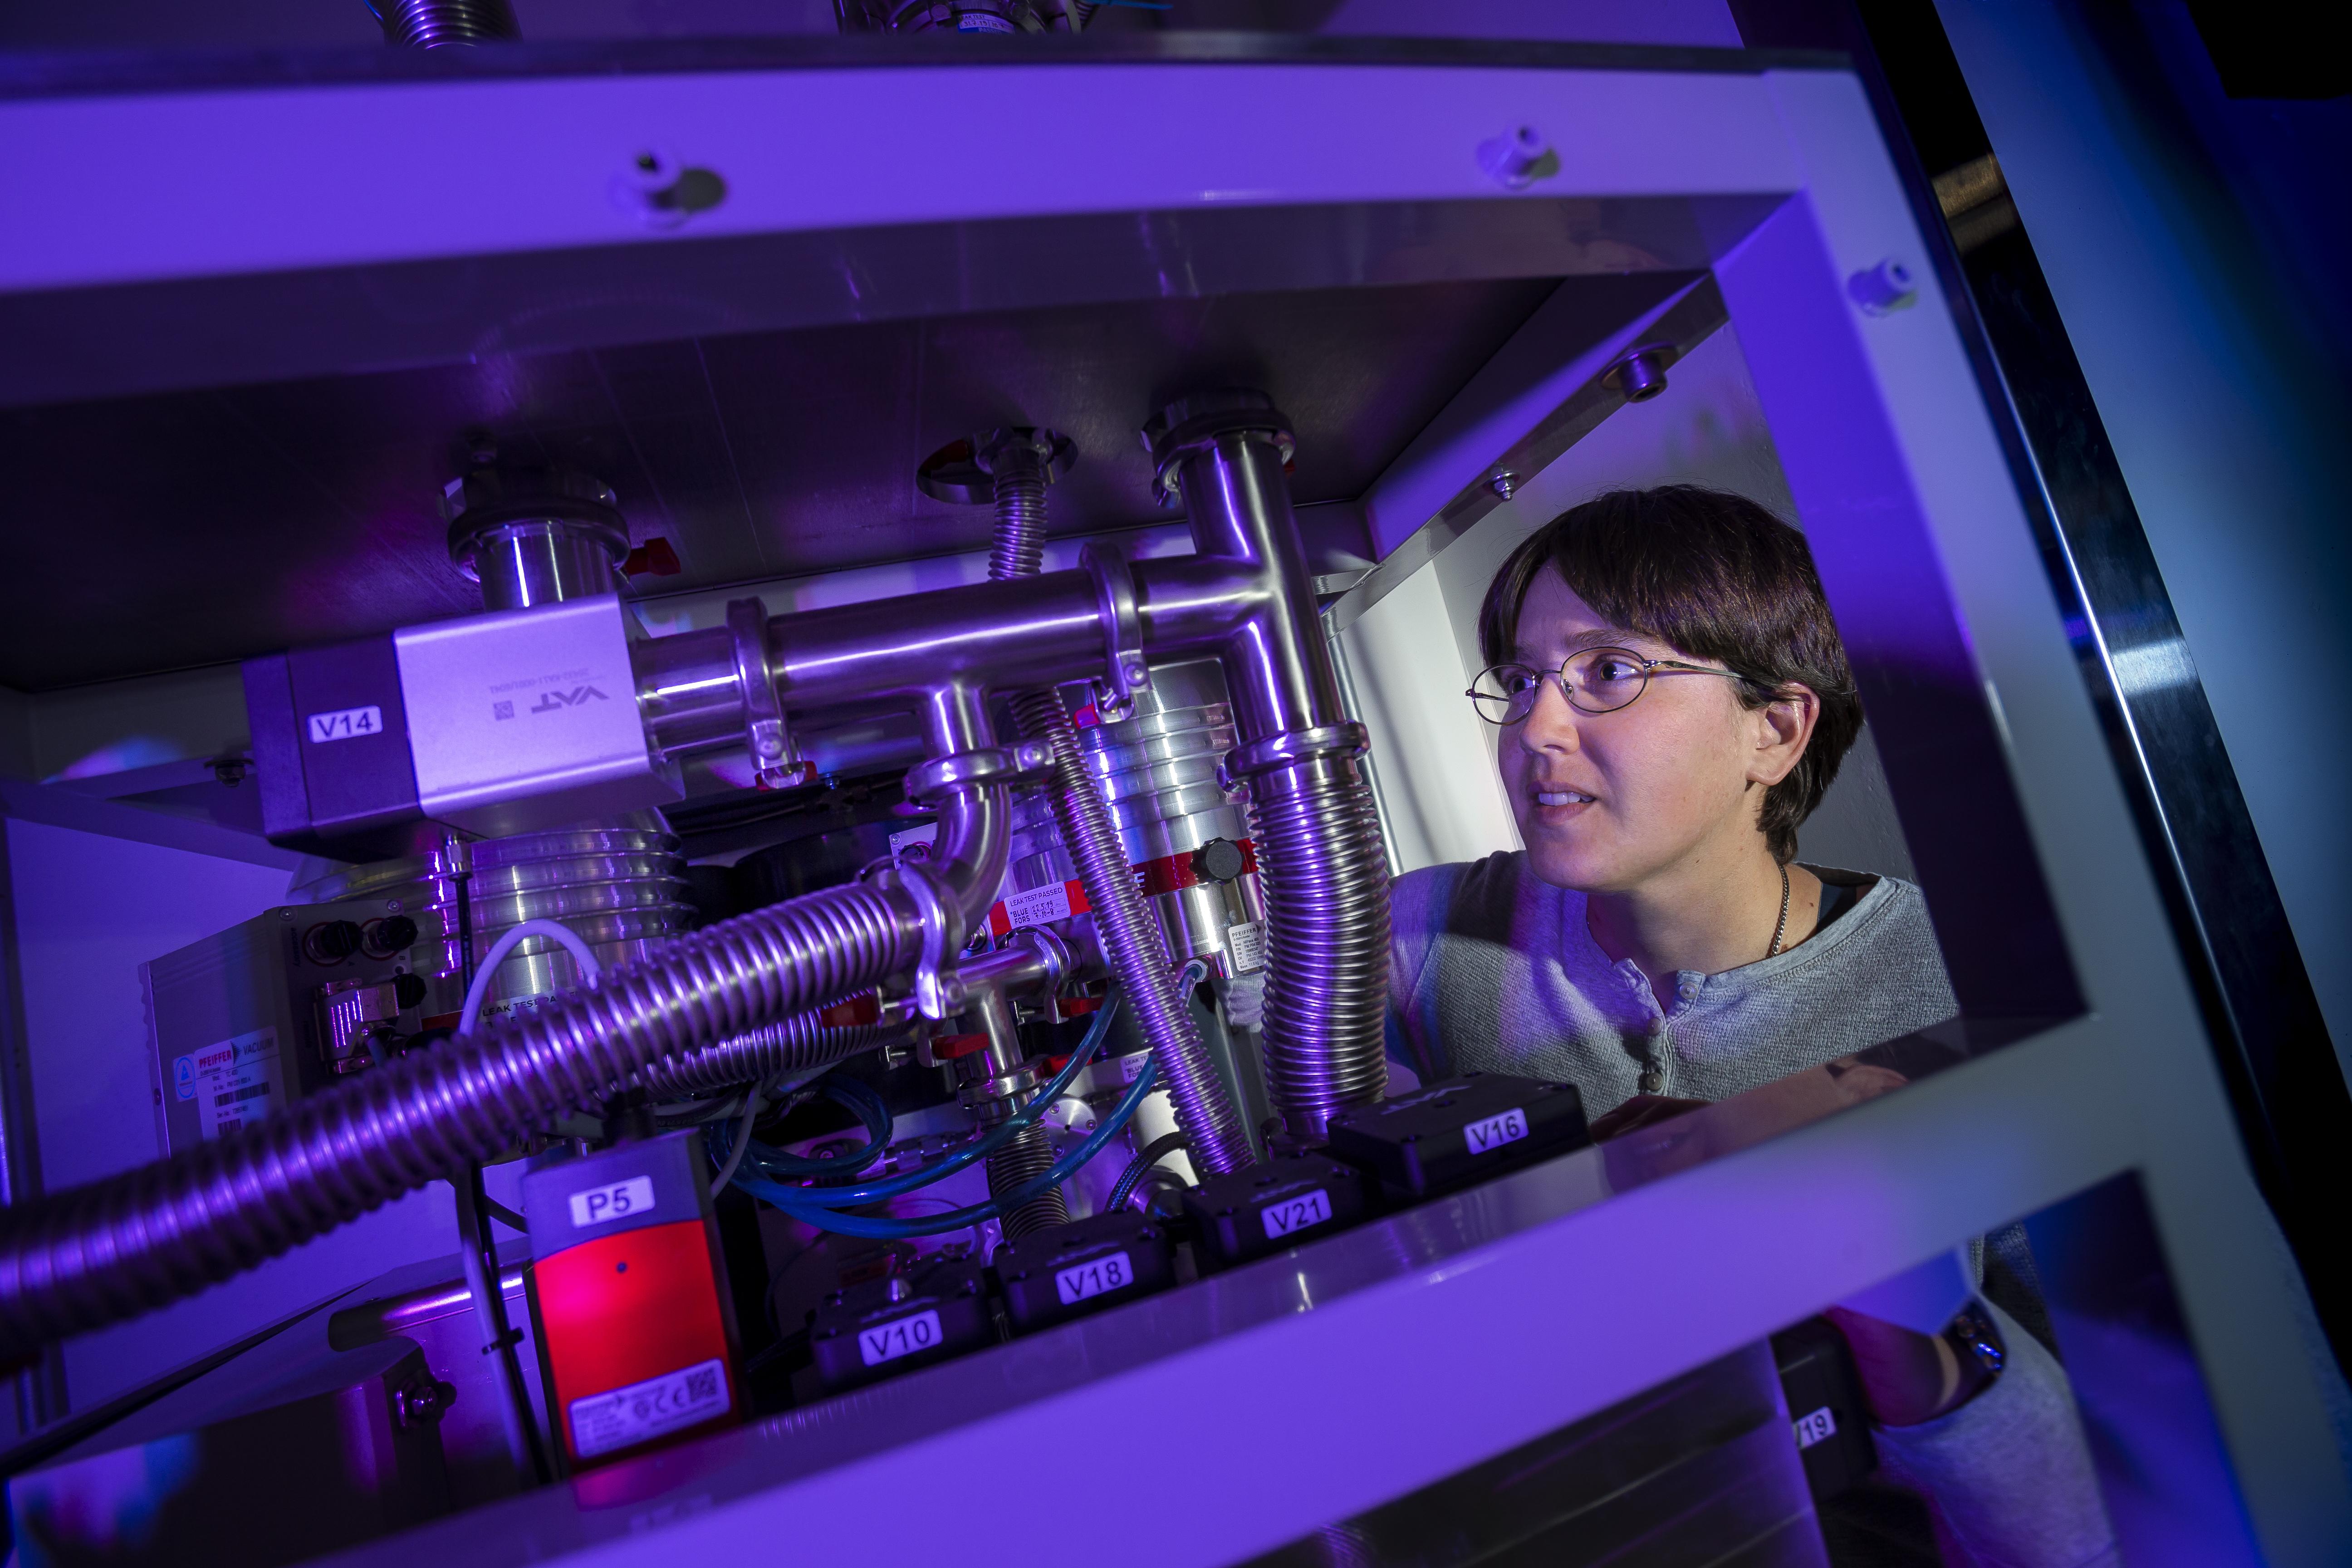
(1907, 1377)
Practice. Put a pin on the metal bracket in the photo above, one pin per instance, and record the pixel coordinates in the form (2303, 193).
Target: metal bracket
(1130, 675)
(773, 765)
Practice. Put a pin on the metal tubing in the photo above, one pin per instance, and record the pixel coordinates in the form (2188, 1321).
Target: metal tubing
(1320, 856)
(1131, 937)
(99, 1254)
(791, 1045)
(1135, 944)
(890, 653)
(541, 561)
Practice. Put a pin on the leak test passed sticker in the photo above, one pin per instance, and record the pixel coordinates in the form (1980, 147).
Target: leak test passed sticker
(670, 1402)
(233, 1082)
(1092, 1277)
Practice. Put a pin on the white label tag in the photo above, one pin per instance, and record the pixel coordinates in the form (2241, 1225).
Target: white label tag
(234, 1082)
(604, 1422)
(1297, 1213)
(1812, 1429)
(904, 1336)
(1130, 1068)
(602, 1205)
(1093, 1278)
(1038, 906)
(1246, 944)
(346, 724)
(1491, 1134)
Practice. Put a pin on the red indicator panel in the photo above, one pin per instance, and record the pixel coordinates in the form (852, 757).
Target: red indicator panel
(635, 1340)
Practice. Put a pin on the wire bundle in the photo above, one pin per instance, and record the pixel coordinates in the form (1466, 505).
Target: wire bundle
(759, 1171)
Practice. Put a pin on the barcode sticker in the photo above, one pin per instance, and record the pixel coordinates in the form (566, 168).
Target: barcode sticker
(1093, 1278)
(234, 1082)
(1813, 1428)
(1491, 1134)
(346, 724)
(1292, 1214)
(670, 1402)
(903, 1336)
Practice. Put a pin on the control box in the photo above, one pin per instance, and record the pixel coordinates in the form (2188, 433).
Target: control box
(1827, 1413)
(879, 1328)
(1072, 1270)
(253, 1018)
(628, 1295)
(1266, 1209)
(1460, 1130)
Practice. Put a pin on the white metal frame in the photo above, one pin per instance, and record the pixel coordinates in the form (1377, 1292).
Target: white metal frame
(1879, 422)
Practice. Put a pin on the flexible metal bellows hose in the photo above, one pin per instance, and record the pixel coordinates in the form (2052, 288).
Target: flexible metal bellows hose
(1018, 550)
(1029, 1156)
(1132, 938)
(1137, 947)
(791, 1045)
(1325, 876)
(431, 24)
(99, 1254)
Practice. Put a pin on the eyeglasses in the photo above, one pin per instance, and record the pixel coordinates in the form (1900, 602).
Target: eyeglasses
(1596, 680)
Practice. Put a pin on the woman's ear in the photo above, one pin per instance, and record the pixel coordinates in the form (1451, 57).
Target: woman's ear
(1782, 727)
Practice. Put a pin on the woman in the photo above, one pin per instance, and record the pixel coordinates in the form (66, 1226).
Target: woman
(1672, 700)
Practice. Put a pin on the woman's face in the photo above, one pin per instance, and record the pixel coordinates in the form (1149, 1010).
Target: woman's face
(1607, 802)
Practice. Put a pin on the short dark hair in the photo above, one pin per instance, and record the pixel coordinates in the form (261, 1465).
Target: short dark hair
(1718, 577)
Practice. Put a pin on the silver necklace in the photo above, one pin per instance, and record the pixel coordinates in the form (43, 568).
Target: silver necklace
(1781, 929)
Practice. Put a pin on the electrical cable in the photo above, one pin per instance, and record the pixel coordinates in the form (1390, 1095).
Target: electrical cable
(1167, 1144)
(751, 1103)
(474, 1210)
(996, 1138)
(861, 1100)
(515, 936)
(884, 1229)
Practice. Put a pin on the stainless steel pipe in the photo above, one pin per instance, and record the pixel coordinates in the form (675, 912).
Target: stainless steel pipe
(1319, 840)
(1131, 938)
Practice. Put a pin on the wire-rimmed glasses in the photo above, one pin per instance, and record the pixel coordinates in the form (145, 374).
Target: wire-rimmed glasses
(1593, 680)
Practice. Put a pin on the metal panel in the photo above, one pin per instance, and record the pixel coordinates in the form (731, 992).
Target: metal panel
(237, 520)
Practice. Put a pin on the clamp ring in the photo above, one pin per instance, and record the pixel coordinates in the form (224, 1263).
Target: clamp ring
(1122, 623)
(1294, 746)
(939, 990)
(772, 762)
(1020, 762)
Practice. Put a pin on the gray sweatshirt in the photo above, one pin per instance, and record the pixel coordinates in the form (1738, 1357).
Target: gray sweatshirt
(1492, 969)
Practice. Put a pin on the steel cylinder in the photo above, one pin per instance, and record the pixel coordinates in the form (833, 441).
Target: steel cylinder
(542, 561)
(620, 885)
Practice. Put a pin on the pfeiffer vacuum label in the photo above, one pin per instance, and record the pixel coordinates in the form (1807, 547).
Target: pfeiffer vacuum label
(234, 1082)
